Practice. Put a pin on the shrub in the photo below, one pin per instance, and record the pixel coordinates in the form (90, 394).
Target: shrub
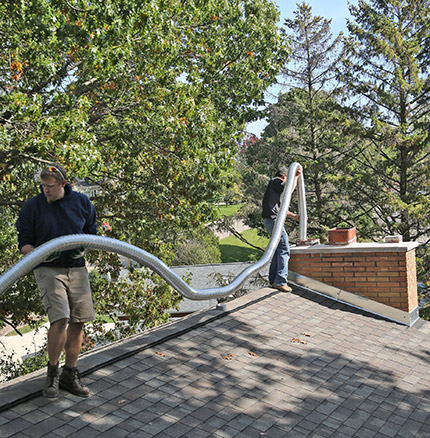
(202, 247)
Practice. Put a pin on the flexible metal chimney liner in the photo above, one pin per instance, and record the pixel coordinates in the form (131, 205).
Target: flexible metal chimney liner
(144, 258)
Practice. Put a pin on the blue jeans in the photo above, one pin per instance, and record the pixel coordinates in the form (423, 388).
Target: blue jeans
(278, 271)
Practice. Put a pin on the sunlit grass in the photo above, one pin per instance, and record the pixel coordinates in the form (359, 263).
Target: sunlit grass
(27, 328)
(234, 250)
(228, 210)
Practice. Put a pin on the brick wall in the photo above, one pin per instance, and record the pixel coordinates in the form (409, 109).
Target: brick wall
(382, 272)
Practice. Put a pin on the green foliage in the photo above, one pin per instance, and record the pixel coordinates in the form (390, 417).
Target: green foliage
(146, 99)
(201, 247)
(19, 308)
(10, 368)
(233, 194)
(425, 313)
(318, 147)
(386, 69)
(423, 274)
(366, 164)
(307, 125)
(423, 262)
(136, 301)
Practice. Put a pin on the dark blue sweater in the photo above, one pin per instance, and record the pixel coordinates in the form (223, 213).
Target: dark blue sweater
(272, 198)
(39, 222)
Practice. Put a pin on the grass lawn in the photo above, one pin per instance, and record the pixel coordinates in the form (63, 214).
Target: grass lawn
(26, 329)
(228, 210)
(234, 250)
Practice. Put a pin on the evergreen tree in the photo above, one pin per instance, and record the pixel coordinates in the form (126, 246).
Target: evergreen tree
(307, 124)
(386, 70)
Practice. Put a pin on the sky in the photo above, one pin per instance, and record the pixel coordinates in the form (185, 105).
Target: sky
(336, 10)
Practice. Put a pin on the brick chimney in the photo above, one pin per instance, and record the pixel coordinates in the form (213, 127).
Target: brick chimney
(382, 272)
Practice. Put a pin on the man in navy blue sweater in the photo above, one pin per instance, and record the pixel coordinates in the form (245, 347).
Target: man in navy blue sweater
(278, 270)
(62, 278)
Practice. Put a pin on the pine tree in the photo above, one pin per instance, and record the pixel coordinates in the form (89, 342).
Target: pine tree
(308, 122)
(386, 70)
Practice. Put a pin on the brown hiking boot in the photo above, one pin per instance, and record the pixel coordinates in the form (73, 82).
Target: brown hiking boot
(283, 287)
(71, 381)
(50, 389)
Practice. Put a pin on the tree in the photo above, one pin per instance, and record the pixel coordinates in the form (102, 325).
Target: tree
(387, 71)
(146, 99)
(308, 123)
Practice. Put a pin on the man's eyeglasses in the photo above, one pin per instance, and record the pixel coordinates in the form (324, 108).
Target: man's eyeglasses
(56, 170)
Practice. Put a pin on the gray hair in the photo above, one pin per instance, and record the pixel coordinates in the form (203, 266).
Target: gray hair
(282, 171)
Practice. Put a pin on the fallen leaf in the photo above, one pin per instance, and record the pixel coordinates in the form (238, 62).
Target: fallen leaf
(160, 354)
(253, 354)
(299, 340)
(227, 357)
(307, 334)
(120, 402)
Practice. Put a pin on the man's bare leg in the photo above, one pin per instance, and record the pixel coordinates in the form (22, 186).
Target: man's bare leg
(75, 335)
(57, 337)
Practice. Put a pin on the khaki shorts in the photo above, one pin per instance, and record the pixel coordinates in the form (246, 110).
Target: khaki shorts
(65, 293)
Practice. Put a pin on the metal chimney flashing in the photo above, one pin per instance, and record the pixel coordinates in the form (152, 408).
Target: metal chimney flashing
(354, 300)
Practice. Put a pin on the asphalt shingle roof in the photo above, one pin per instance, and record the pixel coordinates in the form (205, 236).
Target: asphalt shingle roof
(271, 365)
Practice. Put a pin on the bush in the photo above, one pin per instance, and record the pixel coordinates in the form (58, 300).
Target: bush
(11, 367)
(202, 247)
